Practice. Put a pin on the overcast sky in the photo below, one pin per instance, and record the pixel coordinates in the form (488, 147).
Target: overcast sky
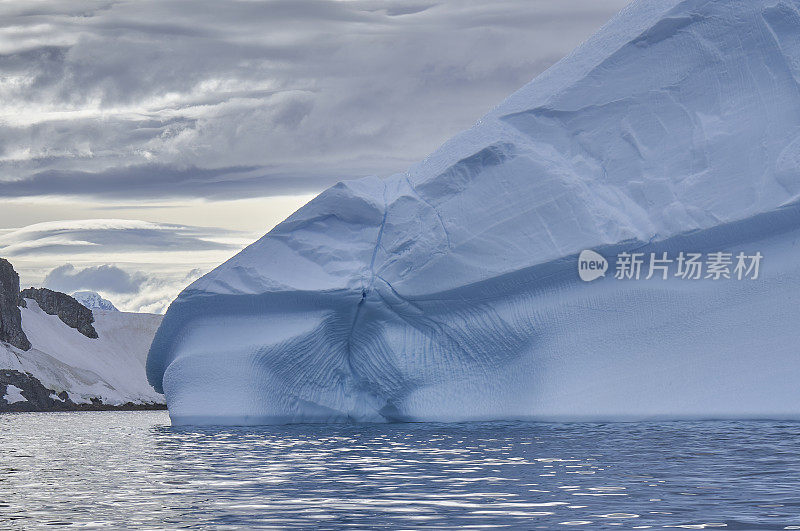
(141, 143)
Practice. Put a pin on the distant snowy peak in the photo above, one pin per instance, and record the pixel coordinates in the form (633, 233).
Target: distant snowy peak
(94, 301)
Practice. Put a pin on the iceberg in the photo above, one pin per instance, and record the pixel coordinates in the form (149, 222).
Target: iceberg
(451, 292)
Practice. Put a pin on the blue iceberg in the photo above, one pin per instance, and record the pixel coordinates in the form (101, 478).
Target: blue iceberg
(452, 291)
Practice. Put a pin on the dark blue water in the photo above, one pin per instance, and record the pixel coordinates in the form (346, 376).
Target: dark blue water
(134, 470)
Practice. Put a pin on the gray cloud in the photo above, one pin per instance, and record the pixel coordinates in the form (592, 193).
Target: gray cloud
(233, 99)
(163, 181)
(114, 236)
(129, 290)
(139, 265)
(67, 278)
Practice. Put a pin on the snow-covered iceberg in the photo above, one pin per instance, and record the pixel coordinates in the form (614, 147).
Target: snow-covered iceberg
(451, 291)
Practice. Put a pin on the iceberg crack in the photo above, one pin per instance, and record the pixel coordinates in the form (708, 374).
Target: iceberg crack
(365, 290)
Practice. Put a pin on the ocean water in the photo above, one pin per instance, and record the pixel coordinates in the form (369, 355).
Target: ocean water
(132, 469)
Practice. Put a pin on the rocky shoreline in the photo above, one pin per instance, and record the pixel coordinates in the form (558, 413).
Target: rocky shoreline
(20, 392)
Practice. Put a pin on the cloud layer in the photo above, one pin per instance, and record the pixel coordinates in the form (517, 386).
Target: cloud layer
(138, 265)
(225, 99)
(195, 105)
(114, 236)
(132, 291)
(107, 278)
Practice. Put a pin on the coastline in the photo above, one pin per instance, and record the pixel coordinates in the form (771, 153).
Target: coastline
(35, 397)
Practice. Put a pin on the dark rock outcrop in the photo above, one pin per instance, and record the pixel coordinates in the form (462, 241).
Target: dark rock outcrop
(10, 317)
(70, 311)
(40, 398)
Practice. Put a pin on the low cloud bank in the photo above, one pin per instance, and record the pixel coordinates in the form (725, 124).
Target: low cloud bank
(137, 265)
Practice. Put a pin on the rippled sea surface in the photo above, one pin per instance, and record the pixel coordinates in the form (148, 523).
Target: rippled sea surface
(123, 470)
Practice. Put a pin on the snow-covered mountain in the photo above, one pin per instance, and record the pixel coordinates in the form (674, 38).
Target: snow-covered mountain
(109, 369)
(94, 301)
(71, 357)
(451, 291)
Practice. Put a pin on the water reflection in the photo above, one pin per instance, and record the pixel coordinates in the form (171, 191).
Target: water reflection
(134, 470)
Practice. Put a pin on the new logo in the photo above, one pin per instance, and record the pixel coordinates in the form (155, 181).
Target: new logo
(591, 266)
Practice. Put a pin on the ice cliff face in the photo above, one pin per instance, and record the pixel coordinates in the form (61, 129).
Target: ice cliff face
(450, 291)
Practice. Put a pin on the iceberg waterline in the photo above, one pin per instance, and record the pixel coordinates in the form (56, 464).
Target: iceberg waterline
(450, 292)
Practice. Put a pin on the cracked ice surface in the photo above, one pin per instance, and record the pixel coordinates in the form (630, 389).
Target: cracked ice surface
(449, 292)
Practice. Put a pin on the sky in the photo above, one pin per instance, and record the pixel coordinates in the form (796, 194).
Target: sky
(143, 143)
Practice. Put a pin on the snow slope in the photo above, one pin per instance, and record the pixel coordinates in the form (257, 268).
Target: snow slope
(110, 368)
(450, 292)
